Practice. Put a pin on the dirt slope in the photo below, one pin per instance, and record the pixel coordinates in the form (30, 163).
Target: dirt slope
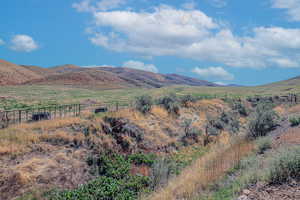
(12, 74)
(100, 77)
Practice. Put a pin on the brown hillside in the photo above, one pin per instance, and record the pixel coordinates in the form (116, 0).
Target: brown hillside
(12, 74)
(84, 78)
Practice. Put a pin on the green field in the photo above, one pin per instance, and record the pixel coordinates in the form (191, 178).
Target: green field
(22, 96)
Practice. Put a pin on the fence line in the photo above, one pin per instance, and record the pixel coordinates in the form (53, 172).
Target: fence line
(17, 116)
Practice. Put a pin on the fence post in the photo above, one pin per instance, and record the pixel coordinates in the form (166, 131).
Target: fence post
(20, 116)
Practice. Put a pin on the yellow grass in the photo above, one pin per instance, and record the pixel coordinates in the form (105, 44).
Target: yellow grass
(204, 171)
(20, 138)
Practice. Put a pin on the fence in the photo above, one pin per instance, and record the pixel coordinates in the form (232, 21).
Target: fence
(10, 117)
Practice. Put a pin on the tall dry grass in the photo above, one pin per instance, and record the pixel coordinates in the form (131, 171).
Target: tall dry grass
(20, 138)
(204, 171)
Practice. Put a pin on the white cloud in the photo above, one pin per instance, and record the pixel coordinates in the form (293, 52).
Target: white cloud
(291, 6)
(140, 65)
(214, 73)
(23, 43)
(220, 83)
(191, 5)
(93, 6)
(167, 31)
(1, 42)
(218, 3)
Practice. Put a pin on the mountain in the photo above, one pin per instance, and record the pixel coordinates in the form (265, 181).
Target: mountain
(99, 77)
(141, 78)
(12, 74)
(290, 82)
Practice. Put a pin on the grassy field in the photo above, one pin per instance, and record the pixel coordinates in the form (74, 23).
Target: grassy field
(22, 96)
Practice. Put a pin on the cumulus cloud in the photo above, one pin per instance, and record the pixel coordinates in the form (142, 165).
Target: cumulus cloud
(292, 8)
(140, 65)
(93, 6)
(95, 66)
(167, 31)
(213, 73)
(218, 3)
(23, 43)
(1, 42)
(191, 5)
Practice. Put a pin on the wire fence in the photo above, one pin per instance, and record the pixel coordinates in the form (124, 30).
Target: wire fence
(17, 116)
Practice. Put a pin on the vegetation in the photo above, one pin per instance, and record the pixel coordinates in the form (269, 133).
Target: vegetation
(170, 103)
(115, 180)
(143, 104)
(264, 120)
(295, 121)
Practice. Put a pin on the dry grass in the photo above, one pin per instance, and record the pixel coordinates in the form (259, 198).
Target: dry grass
(20, 138)
(204, 171)
(48, 125)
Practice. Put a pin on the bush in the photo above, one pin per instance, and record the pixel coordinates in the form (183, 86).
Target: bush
(170, 103)
(185, 100)
(295, 121)
(240, 108)
(140, 158)
(114, 181)
(263, 121)
(263, 144)
(143, 104)
(286, 166)
(231, 122)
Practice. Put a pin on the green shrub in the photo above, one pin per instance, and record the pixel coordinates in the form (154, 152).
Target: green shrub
(104, 188)
(285, 166)
(263, 121)
(140, 158)
(186, 99)
(170, 103)
(144, 104)
(263, 144)
(240, 108)
(114, 180)
(295, 121)
(230, 121)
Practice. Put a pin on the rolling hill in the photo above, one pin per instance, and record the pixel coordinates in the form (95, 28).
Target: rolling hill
(99, 77)
(11, 74)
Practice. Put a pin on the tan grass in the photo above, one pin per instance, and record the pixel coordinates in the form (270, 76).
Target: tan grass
(204, 171)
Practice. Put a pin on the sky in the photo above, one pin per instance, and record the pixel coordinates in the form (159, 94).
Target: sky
(245, 42)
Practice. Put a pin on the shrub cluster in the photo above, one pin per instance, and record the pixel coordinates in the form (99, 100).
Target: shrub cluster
(286, 166)
(114, 180)
(170, 103)
(144, 104)
(295, 121)
(263, 121)
(186, 99)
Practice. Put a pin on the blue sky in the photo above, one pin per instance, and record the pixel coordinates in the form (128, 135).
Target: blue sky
(227, 41)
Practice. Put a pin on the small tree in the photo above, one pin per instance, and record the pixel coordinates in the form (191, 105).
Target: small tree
(143, 103)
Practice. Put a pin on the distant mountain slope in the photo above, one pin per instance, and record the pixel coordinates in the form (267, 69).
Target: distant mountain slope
(99, 77)
(150, 79)
(12, 74)
(290, 82)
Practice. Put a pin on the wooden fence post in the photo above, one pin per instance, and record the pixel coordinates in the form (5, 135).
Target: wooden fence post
(20, 116)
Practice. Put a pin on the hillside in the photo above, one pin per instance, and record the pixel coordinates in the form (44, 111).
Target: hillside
(154, 80)
(11, 74)
(100, 77)
(290, 82)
